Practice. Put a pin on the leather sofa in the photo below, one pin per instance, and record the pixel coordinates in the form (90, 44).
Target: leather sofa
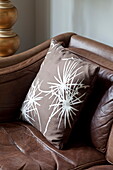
(23, 147)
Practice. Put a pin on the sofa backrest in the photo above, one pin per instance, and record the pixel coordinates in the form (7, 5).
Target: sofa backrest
(91, 46)
(97, 117)
(17, 73)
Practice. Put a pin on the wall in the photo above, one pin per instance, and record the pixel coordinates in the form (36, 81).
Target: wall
(94, 19)
(43, 14)
(25, 25)
(90, 18)
(33, 23)
(41, 19)
(61, 16)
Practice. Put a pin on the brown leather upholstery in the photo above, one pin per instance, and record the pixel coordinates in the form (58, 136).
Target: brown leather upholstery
(92, 46)
(101, 167)
(21, 145)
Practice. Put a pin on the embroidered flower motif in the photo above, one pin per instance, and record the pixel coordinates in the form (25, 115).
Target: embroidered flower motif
(30, 105)
(65, 93)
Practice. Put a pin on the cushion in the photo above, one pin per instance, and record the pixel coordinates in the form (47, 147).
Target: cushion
(22, 147)
(58, 93)
(109, 152)
(102, 121)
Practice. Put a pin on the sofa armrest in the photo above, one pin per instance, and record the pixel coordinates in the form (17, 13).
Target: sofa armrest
(17, 58)
(15, 81)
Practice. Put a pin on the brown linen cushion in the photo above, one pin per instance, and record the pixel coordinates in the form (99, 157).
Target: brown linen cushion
(102, 121)
(58, 93)
(109, 152)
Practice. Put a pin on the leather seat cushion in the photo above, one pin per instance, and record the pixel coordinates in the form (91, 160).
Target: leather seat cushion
(22, 146)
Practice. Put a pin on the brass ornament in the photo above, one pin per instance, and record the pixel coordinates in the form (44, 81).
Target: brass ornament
(9, 41)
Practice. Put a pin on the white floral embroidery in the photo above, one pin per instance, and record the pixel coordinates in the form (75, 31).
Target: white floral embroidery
(65, 93)
(31, 103)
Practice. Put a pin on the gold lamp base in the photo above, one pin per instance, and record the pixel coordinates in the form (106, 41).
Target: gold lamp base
(9, 41)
